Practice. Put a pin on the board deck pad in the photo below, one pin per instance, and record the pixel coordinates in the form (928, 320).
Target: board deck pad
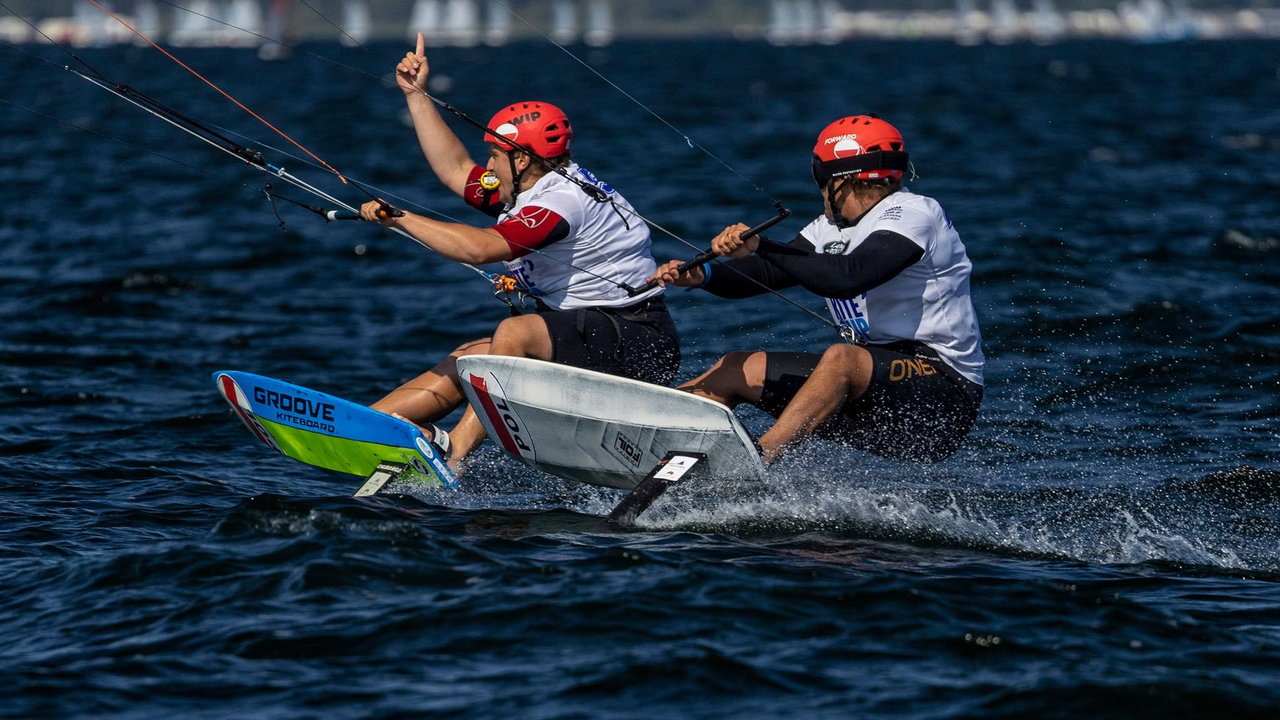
(597, 428)
(327, 431)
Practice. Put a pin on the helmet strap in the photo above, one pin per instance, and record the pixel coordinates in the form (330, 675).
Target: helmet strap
(833, 188)
(516, 176)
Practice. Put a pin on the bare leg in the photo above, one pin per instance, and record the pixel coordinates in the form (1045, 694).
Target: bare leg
(735, 378)
(522, 336)
(843, 373)
(435, 393)
(464, 438)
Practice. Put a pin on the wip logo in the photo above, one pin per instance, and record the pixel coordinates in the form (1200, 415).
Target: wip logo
(510, 131)
(527, 117)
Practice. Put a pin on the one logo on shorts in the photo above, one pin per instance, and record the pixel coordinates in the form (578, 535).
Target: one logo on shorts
(908, 368)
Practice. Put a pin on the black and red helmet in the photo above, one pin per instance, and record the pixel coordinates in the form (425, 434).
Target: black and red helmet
(860, 146)
(537, 126)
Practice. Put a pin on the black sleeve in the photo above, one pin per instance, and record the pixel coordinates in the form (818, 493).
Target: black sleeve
(881, 256)
(752, 275)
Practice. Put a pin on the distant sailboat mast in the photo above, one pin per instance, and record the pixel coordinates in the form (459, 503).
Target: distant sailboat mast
(276, 28)
(194, 25)
(147, 20)
(427, 19)
(497, 24)
(970, 23)
(564, 22)
(782, 23)
(599, 23)
(829, 30)
(800, 22)
(244, 24)
(461, 23)
(1004, 22)
(1047, 25)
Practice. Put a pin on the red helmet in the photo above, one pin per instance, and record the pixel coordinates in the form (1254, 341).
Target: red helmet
(863, 146)
(537, 126)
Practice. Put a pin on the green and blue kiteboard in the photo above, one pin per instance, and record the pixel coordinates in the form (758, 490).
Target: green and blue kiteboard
(328, 432)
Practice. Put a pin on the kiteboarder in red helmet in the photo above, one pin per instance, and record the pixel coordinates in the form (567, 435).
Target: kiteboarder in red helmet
(907, 380)
(573, 246)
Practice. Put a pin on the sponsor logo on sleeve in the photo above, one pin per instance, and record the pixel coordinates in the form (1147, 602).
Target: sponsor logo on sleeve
(532, 217)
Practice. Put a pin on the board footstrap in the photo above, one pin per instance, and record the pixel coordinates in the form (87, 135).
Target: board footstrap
(674, 468)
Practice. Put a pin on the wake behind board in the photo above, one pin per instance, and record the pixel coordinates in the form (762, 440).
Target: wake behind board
(601, 429)
(326, 431)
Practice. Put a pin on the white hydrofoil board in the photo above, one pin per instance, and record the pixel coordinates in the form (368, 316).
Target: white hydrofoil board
(597, 428)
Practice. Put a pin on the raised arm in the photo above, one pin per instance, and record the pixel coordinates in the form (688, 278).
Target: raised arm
(445, 153)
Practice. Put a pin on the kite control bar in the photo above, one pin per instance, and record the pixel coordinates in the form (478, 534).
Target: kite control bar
(384, 212)
(708, 255)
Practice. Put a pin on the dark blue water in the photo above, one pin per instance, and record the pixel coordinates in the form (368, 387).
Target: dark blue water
(1104, 545)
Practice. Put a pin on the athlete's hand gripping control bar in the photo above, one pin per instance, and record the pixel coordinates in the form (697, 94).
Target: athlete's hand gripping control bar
(708, 255)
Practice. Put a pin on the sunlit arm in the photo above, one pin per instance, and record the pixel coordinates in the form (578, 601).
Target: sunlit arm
(444, 152)
(442, 148)
(458, 242)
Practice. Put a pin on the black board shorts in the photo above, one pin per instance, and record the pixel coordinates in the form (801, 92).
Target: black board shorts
(916, 406)
(637, 341)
